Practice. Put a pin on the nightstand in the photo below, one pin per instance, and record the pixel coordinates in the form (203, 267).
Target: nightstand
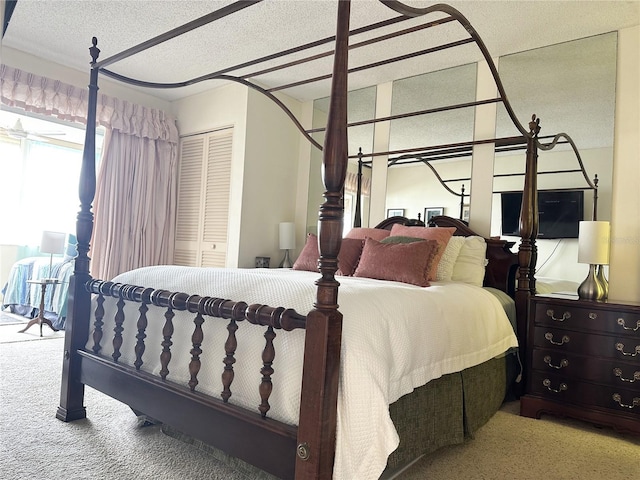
(583, 361)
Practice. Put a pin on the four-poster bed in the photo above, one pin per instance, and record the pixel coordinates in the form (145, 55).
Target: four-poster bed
(305, 448)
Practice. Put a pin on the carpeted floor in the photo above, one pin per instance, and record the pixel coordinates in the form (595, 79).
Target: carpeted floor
(109, 445)
(7, 318)
(11, 324)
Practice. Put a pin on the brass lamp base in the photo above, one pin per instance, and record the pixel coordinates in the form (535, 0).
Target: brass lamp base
(591, 288)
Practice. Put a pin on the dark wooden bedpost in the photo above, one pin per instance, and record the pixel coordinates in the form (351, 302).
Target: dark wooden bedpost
(318, 403)
(357, 220)
(77, 323)
(528, 252)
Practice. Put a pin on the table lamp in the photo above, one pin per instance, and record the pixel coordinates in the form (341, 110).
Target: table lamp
(52, 243)
(593, 249)
(287, 236)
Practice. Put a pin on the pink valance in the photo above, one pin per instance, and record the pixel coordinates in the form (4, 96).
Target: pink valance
(46, 96)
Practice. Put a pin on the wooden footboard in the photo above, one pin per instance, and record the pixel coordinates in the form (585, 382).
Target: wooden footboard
(248, 435)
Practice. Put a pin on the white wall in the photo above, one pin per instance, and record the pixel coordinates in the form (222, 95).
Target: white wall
(624, 279)
(270, 179)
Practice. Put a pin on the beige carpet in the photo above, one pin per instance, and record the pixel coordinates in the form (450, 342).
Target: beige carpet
(11, 324)
(108, 445)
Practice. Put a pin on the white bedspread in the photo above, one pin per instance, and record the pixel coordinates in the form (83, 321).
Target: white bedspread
(396, 337)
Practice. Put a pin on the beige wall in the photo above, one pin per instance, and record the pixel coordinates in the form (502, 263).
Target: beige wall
(624, 275)
(270, 179)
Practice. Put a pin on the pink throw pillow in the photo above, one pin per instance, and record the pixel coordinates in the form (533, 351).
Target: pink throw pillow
(400, 262)
(439, 234)
(362, 233)
(348, 257)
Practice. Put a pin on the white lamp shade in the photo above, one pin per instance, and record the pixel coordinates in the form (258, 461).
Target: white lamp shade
(287, 236)
(593, 242)
(52, 242)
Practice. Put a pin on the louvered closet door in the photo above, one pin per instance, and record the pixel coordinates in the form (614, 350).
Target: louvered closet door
(203, 199)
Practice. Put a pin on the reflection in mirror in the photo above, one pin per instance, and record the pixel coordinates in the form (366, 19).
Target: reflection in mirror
(361, 107)
(571, 88)
(414, 186)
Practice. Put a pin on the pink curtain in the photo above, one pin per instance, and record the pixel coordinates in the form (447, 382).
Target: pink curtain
(136, 188)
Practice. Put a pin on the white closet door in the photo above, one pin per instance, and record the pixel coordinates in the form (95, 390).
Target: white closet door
(203, 199)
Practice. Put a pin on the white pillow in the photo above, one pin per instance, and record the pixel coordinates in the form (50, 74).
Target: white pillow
(449, 257)
(471, 262)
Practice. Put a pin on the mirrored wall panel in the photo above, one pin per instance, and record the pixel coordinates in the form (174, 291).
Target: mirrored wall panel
(571, 88)
(414, 186)
(361, 107)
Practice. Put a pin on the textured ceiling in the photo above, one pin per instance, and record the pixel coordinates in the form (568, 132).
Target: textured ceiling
(61, 31)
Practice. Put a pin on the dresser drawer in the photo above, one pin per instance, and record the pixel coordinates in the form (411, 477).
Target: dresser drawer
(618, 347)
(568, 390)
(587, 318)
(568, 365)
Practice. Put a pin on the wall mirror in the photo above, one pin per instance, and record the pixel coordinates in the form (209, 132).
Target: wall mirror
(413, 185)
(361, 107)
(571, 88)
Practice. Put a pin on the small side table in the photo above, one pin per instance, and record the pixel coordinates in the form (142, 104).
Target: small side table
(43, 282)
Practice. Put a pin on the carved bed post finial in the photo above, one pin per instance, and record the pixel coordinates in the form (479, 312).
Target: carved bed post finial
(462, 202)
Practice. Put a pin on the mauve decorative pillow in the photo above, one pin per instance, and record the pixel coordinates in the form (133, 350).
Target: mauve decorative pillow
(308, 258)
(362, 233)
(400, 262)
(348, 257)
(439, 234)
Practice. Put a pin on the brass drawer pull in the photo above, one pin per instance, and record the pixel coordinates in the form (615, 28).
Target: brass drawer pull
(563, 363)
(622, 323)
(620, 348)
(549, 336)
(547, 383)
(564, 317)
(617, 398)
(618, 373)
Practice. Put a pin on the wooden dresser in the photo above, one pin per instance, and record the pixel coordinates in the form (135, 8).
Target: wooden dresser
(583, 361)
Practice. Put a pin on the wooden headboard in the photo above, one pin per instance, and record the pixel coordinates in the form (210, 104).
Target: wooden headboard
(503, 263)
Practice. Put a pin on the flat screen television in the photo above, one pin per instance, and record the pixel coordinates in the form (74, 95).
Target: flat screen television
(559, 213)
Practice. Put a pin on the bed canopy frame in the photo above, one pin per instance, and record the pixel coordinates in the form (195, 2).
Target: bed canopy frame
(430, 155)
(313, 443)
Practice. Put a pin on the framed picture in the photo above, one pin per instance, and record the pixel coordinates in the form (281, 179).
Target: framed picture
(395, 212)
(432, 212)
(465, 212)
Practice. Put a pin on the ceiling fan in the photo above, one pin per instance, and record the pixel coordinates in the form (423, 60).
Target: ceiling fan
(17, 131)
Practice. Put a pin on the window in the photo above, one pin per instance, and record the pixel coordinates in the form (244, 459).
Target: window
(39, 186)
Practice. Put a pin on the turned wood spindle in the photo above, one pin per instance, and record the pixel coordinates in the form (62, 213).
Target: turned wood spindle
(98, 324)
(230, 349)
(142, 327)
(167, 333)
(196, 351)
(268, 354)
(117, 330)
